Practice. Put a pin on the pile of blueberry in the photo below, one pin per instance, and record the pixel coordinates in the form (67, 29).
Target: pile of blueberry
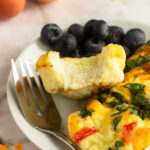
(88, 40)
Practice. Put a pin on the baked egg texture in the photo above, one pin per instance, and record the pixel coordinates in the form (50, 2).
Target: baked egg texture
(79, 78)
(118, 119)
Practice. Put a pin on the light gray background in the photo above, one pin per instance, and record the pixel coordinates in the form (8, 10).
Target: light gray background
(18, 32)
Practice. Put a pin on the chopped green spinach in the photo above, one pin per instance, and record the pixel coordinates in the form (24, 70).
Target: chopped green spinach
(119, 144)
(134, 110)
(119, 96)
(138, 95)
(120, 109)
(116, 121)
(84, 113)
(135, 63)
(135, 88)
(103, 97)
(139, 99)
(112, 103)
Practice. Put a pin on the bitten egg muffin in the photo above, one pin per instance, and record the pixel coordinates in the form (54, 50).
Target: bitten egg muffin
(78, 78)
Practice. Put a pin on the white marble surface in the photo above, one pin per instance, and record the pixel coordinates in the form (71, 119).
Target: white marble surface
(18, 32)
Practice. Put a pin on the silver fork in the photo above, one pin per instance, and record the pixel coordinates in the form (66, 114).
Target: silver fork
(37, 106)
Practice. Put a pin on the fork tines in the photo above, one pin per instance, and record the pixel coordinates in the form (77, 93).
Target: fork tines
(22, 70)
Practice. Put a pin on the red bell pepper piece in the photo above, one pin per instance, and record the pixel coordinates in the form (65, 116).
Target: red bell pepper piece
(78, 136)
(127, 131)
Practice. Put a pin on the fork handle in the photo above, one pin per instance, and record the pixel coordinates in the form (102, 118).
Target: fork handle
(62, 138)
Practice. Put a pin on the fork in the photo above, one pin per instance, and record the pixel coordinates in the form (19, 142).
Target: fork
(37, 106)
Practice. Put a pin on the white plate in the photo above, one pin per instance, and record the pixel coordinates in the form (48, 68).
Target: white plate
(64, 105)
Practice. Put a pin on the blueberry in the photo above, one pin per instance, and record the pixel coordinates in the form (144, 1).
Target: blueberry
(76, 54)
(50, 33)
(88, 29)
(66, 44)
(115, 35)
(100, 30)
(89, 54)
(134, 38)
(93, 45)
(127, 51)
(78, 31)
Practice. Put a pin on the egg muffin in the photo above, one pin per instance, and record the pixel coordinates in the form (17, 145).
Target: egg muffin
(79, 78)
(119, 119)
